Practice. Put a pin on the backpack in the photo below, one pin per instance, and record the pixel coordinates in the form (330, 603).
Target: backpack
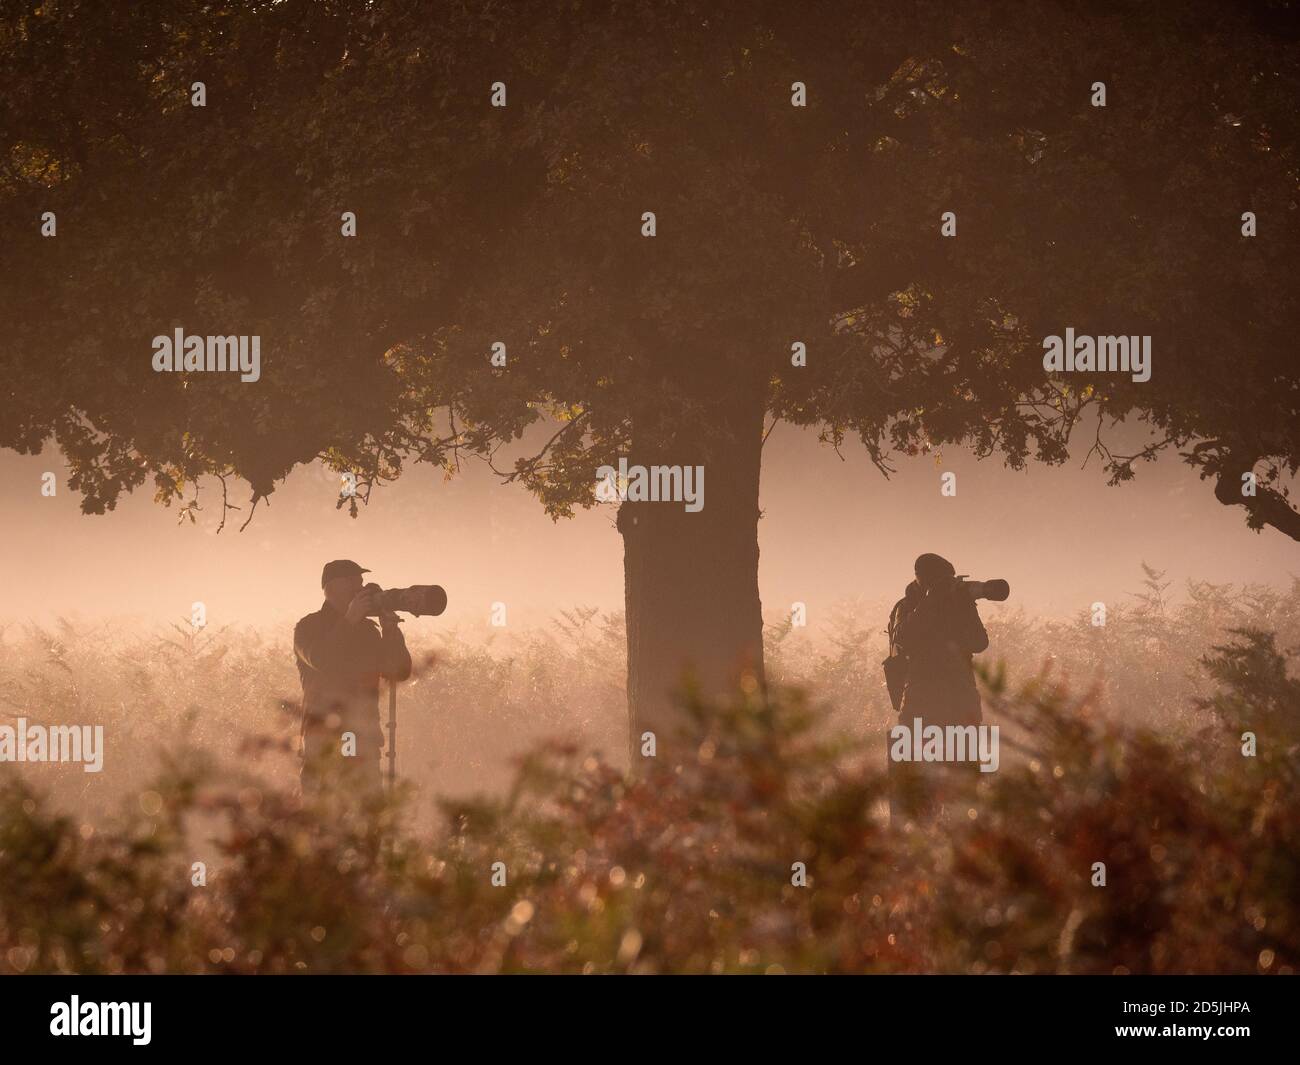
(896, 665)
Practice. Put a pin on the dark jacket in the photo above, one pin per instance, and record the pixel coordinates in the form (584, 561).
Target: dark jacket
(340, 665)
(938, 633)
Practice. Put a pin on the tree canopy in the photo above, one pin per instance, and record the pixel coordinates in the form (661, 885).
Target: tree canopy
(650, 204)
(522, 224)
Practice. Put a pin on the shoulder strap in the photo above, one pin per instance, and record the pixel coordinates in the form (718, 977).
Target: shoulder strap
(895, 616)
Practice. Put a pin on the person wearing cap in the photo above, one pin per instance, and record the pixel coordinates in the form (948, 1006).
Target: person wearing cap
(341, 655)
(936, 626)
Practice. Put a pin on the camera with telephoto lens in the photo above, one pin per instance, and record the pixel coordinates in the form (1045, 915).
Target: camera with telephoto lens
(996, 590)
(420, 599)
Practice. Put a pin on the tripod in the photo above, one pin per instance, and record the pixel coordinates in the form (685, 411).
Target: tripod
(392, 733)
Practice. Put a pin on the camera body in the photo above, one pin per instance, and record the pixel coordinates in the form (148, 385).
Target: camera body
(996, 590)
(422, 600)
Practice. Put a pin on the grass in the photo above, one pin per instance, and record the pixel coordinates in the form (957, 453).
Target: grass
(1140, 768)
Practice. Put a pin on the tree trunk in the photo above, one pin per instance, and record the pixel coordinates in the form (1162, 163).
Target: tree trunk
(691, 579)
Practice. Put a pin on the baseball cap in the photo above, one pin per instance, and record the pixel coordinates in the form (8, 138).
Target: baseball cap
(340, 567)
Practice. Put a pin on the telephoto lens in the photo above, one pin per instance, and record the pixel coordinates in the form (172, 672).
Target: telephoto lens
(996, 590)
(422, 600)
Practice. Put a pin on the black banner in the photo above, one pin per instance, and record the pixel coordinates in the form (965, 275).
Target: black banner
(923, 1013)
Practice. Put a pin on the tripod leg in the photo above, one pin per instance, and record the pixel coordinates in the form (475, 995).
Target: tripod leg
(392, 733)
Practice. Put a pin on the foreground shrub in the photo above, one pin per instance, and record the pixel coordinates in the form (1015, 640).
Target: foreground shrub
(693, 871)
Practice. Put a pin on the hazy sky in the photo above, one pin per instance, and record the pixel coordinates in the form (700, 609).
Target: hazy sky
(831, 530)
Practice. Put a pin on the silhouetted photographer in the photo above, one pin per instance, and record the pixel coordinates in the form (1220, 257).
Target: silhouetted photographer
(341, 655)
(933, 632)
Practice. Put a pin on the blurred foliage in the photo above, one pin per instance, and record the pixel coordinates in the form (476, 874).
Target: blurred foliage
(686, 872)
